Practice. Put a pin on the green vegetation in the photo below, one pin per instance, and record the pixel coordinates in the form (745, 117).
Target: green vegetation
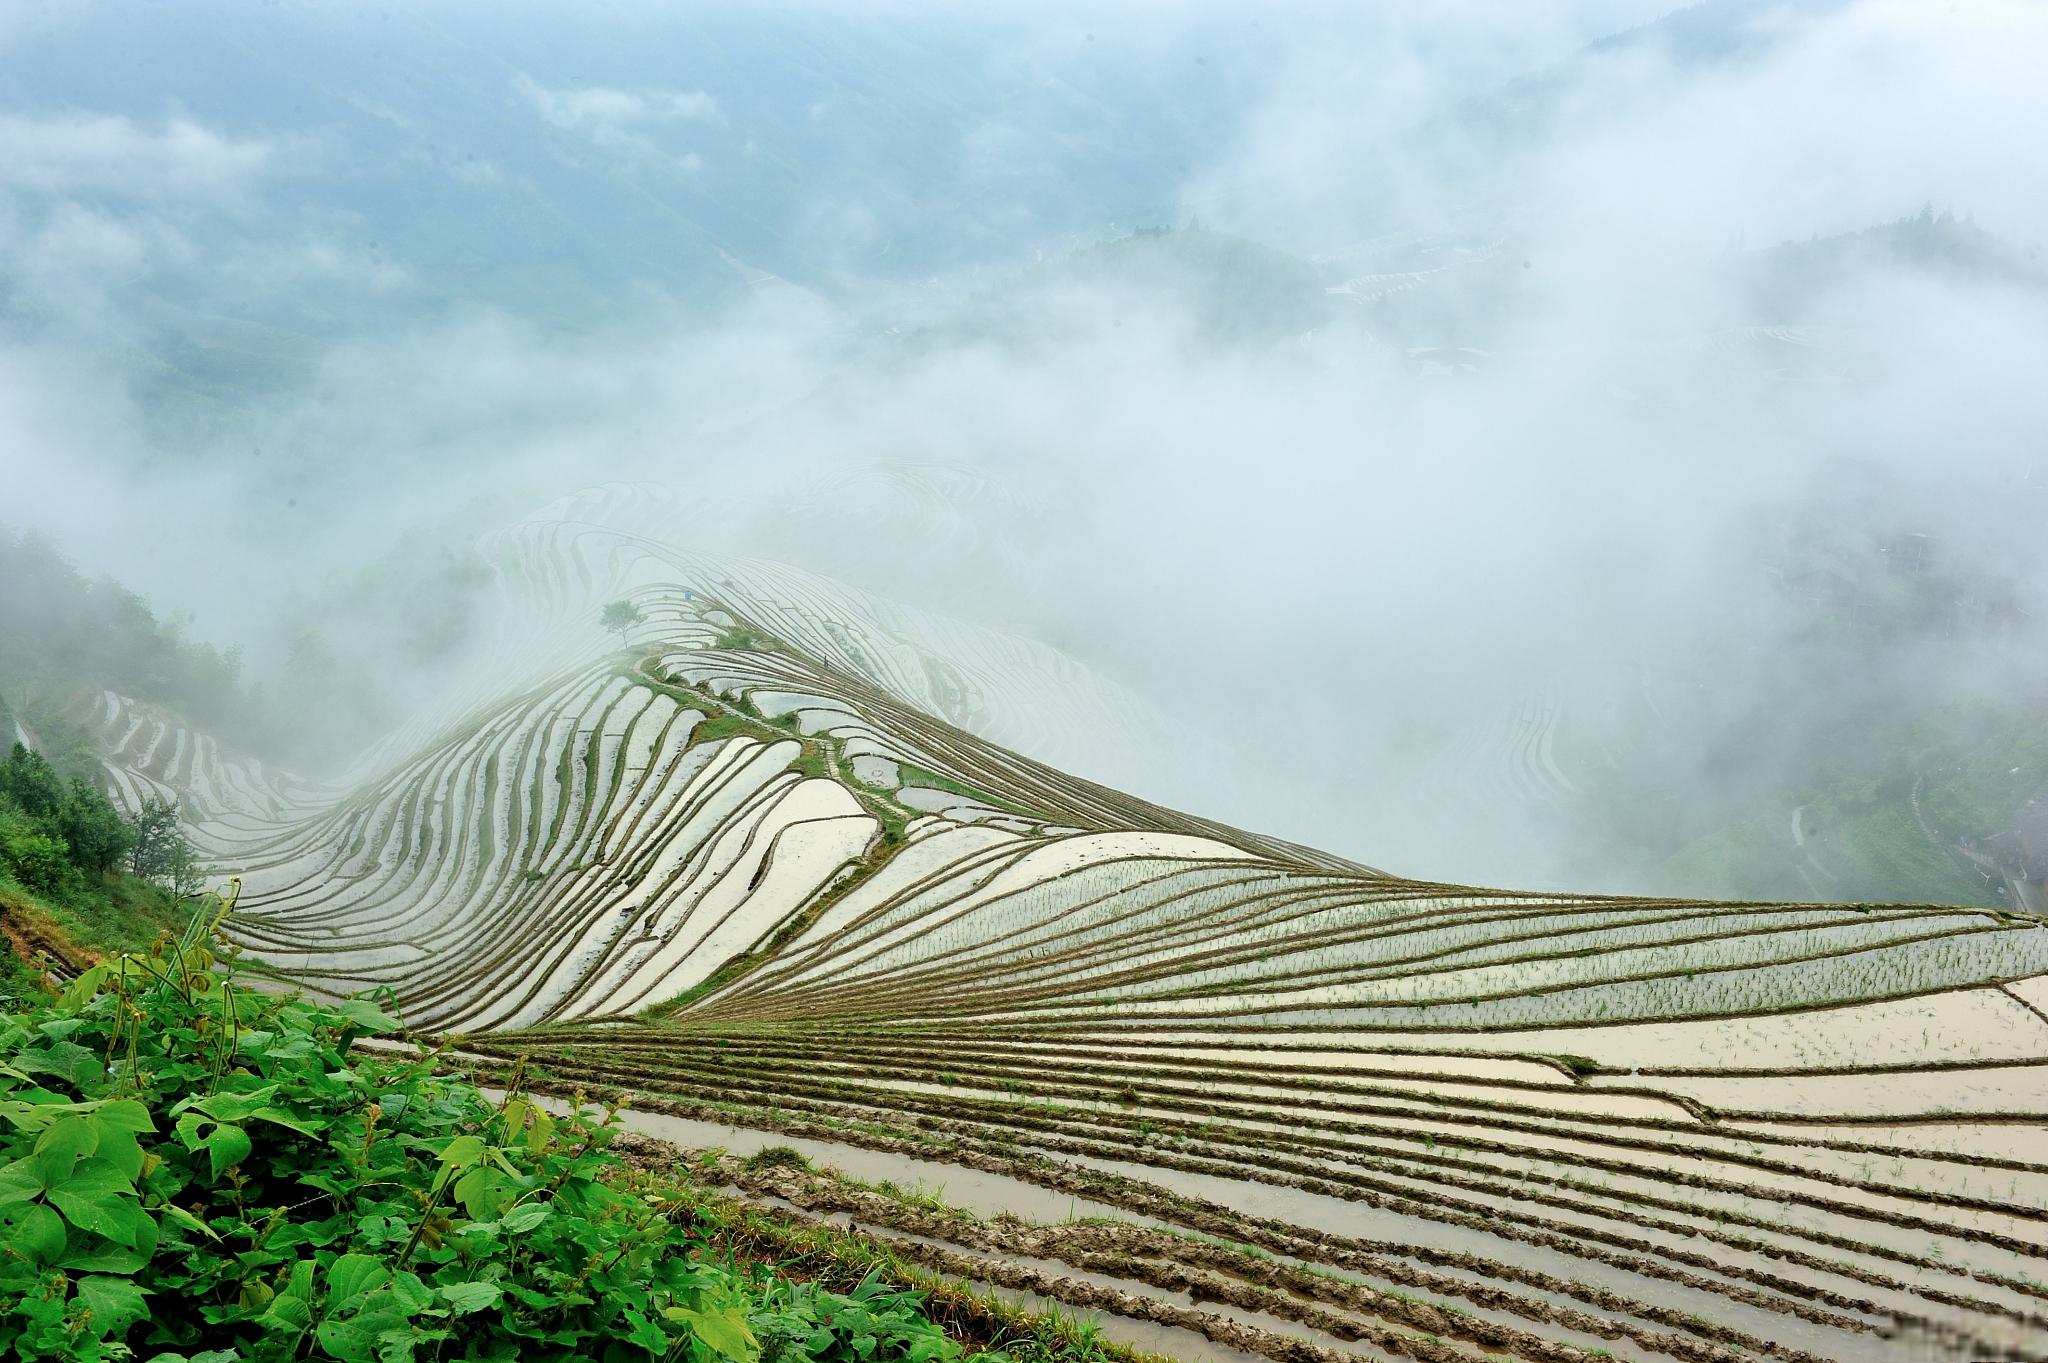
(717, 727)
(160, 851)
(740, 637)
(776, 1157)
(1577, 1064)
(62, 853)
(53, 833)
(833, 1256)
(911, 774)
(191, 1169)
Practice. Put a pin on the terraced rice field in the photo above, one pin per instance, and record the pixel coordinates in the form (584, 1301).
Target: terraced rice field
(779, 873)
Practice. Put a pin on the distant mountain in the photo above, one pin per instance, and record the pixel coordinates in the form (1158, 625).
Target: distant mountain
(1787, 281)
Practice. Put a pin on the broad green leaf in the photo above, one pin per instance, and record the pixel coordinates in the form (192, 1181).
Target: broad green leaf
(412, 1294)
(81, 989)
(347, 1341)
(292, 1047)
(39, 1232)
(32, 1117)
(118, 1148)
(98, 1198)
(366, 1015)
(63, 1145)
(465, 1298)
(305, 1126)
(105, 1257)
(121, 1220)
(646, 1333)
(483, 1192)
(125, 1114)
(382, 1311)
(462, 1152)
(67, 1060)
(355, 1275)
(725, 1332)
(232, 1107)
(397, 1346)
(528, 1297)
(116, 1303)
(299, 1282)
(543, 1127)
(226, 1146)
(174, 1212)
(20, 1181)
(522, 1219)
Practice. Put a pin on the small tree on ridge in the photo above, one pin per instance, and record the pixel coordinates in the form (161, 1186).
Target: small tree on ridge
(620, 617)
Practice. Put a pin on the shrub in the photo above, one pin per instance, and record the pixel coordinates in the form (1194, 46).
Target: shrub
(35, 860)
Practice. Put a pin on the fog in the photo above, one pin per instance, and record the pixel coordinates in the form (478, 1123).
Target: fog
(1543, 438)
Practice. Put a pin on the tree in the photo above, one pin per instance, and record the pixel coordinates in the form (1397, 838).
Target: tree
(94, 831)
(620, 617)
(158, 840)
(186, 876)
(31, 784)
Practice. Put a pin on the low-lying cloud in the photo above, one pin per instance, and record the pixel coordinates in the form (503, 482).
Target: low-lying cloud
(68, 154)
(1476, 395)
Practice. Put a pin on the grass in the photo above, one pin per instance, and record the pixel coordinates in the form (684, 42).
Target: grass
(910, 774)
(731, 724)
(716, 980)
(777, 1157)
(839, 1259)
(917, 1195)
(1577, 1064)
(121, 913)
(743, 637)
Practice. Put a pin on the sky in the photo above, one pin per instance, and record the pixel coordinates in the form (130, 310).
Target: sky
(1464, 401)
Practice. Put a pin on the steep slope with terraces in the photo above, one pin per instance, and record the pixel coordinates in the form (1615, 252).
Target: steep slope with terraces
(778, 866)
